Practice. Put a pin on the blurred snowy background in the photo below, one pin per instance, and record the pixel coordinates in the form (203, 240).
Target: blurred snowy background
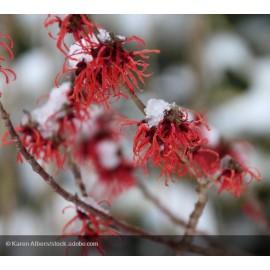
(218, 65)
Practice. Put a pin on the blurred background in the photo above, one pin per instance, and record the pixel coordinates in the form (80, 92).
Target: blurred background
(218, 65)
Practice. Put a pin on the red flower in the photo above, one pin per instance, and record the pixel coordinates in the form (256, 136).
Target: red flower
(6, 71)
(235, 176)
(87, 227)
(45, 149)
(166, 138)
(79, 25)
(70, 120)
(50, 131)
(103, 150)
(103, 66)
(203, 162)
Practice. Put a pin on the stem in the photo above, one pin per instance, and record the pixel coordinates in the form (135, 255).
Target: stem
(175, 219)
(198, 208)
(131, 95)
(78, 178)
(195, 216)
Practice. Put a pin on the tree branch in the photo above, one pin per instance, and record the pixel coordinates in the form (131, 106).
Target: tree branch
(78, 178)
(135, 99)
(198, 208)
(175, 219)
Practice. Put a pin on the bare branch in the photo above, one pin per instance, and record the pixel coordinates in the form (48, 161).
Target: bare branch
(135, 99)
(175, 219)
(78, 178)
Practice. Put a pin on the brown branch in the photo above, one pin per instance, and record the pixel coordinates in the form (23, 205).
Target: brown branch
(195, 215)
(198, 208)
(78, 178)
(147, 194)
(119, 225)
(135, 99)
(175, 219)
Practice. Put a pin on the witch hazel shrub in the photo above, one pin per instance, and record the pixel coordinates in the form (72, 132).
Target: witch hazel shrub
(76, 129)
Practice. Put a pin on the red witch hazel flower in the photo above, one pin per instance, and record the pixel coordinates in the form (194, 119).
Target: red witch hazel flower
(48, 131)
(224, 162)
(103, 65)
(102, 149)
(166, 137)
(79, 25)
(6, 71)
(203, 161)
(235, 175)
(87, 227)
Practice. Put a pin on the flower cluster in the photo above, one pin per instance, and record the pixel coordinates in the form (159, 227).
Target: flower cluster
(166, 137)
(234, 173)
(173, 139)
(102, 150)
(48, 131)
(102, 66)
(7, 47)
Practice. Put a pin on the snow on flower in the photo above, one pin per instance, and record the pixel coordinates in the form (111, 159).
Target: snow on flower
(165, 137)
(50, 130)
(81, 51)
(108, 154)
(155, 111)
(102, 66)
(102, 150)
(52, 108)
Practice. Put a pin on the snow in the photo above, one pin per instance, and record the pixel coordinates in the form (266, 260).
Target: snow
(103, 35)
(56, 101)
(108, 157)
(154, 110)
(90, 128)
(121, 37)
(78, 54)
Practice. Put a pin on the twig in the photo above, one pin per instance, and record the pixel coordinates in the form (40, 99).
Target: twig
(78, 178)
(195, 215)
(198, 208)
(135, 99)
(175, 219)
